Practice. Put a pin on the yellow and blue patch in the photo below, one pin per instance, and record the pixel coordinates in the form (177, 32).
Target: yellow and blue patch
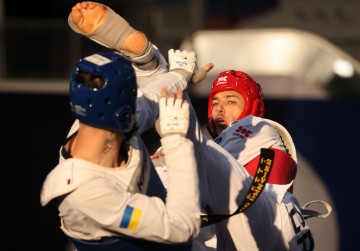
(131, 218)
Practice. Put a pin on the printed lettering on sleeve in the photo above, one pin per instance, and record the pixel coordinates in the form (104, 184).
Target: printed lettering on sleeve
(304, 240)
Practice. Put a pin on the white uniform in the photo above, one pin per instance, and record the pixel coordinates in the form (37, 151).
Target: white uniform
(273, 222)
(100, 202)
(206, 241)
(97, 202)
(244, 138)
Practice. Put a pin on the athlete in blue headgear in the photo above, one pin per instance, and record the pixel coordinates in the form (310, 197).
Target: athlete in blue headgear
(110, 115)
(105, 183)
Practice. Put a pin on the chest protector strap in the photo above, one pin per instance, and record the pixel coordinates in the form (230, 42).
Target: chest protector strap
(283, 170)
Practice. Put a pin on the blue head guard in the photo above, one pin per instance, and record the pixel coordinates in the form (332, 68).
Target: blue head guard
(112, 105)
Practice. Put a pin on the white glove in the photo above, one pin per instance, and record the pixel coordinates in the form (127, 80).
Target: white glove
(182, 60)
(173, 116)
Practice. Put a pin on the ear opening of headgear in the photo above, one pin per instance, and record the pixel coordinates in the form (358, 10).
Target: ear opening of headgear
(103, 92)
(246, 86)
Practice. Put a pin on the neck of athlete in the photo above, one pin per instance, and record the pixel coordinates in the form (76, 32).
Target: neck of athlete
(97, 145)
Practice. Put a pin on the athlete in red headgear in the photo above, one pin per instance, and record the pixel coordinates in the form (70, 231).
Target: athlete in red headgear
(235, 111)
(240, 83)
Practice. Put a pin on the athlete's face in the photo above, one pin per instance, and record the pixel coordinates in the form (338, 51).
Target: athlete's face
(226, 107)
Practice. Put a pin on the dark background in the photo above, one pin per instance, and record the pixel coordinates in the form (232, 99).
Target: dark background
(35, 125)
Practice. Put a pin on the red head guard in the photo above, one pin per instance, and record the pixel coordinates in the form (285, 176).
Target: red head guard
(242, 83)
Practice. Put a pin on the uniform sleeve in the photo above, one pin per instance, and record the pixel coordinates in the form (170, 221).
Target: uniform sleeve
(104, 211)
(147, 106)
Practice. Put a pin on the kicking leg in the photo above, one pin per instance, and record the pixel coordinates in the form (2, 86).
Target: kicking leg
(102, 25)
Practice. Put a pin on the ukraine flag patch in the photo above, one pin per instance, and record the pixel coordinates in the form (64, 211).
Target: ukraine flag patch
(131, 218)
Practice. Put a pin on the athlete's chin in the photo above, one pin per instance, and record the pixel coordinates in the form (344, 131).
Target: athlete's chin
(220, 126)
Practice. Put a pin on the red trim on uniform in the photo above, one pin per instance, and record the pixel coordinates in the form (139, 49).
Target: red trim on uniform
(283, 170)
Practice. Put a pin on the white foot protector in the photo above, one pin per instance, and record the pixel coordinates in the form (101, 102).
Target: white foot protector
(111, 33)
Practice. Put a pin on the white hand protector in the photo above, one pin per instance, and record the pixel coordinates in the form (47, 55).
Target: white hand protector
(182, 60)
(173, 116)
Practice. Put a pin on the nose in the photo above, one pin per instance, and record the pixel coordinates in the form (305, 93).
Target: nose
(219, 107)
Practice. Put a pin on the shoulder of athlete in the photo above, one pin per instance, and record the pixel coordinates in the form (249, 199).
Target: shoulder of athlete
(249, 125)
(66, 177)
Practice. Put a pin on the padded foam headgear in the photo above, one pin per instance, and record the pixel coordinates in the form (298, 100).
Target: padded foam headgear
(246, 86)
(111, 106)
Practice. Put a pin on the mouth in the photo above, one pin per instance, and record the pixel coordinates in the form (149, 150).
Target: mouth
(219, 121)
